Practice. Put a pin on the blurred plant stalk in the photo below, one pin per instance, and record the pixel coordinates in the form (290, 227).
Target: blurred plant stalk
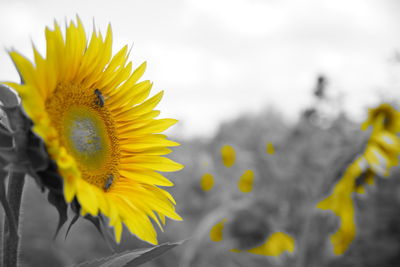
(344, 157)
(11, 237)
(13, 166)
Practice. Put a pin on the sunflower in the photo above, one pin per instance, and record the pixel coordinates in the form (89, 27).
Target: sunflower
(385, 112)
(378, 157)
(100, 128)
(247, 229)
(383, 146)
(258, 239)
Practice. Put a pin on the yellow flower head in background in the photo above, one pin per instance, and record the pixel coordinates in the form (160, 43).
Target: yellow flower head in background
(246, 181)
(99, 126)
(207, 182)
(270, 149)
(275, 244)
(383, 146)
(378, 157)
(228, 155)
(247, 229)
(390, 116)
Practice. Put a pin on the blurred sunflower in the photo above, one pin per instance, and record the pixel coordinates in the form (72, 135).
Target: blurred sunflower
(383, 147)
(385, 112)
(248, 230)
(379, 155)
(99, 127)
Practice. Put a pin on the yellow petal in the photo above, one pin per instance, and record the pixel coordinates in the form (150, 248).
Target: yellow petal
(144, 176)
(25, 68)
(131, 81)
(117, 231)
(144, 107)
(154, 163)
(148, 141)
(87, 198)
(155, 126)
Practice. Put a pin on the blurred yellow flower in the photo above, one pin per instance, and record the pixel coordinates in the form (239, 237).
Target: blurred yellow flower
(216, 232)
(276, 244)
(99, 126)
(390, 116)
(270, 148)
(382, 150)
(228, 155)
(383, 147)
(246, 181)
(379, 156)
(207, 182)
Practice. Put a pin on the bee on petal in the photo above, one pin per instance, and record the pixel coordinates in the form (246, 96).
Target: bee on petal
(109, 182)
(99, 98)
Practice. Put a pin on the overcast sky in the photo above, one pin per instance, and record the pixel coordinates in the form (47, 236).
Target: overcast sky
(218, 58)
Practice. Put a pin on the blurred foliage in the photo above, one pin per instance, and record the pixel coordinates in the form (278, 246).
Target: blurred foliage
(308, 158)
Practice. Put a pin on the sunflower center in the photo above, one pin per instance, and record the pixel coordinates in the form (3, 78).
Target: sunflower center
(86, 129)
(86, 137)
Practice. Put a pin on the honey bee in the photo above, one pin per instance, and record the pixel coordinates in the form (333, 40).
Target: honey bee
(109, 182)
(99, 98)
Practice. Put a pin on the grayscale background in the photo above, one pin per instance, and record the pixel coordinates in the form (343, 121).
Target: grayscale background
(243, 73)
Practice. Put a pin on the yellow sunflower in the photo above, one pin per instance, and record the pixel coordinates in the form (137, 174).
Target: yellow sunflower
(390, 116)
(99, 126)
(383, 146)
(378, 157)
(274, 244)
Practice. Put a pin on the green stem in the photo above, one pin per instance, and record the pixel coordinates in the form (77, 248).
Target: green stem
(11, 238)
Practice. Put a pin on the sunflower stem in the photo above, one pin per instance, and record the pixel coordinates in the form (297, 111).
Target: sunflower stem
(11, 238)
(6, 206)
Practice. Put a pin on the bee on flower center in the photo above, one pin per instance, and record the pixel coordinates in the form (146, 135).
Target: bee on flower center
(99, 98)
(109, 182)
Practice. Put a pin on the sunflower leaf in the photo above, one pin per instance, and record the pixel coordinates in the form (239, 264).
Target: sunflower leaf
(58, 201)
(98, 222)
(134, 257)
(36, 152)
(7, 97)
(95, 221)
(8, 154)
(50, 178)
(73, 221)
(5, 137)
(4, 131)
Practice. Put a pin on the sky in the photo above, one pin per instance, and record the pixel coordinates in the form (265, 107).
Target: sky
(217, 59)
